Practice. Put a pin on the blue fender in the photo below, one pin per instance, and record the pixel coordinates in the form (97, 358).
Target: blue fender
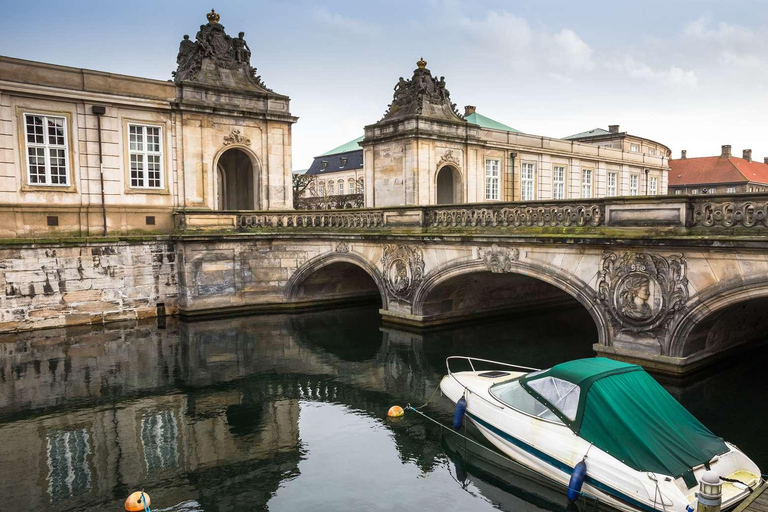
(458, 415)
(577, 480)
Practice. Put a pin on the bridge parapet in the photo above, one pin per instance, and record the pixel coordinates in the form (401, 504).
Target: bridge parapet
(715, 214)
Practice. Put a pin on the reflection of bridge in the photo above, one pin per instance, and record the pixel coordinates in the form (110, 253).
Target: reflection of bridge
(669, 282)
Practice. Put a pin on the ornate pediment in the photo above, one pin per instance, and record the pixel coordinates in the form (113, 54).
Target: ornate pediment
(422, 95)
(215, 58)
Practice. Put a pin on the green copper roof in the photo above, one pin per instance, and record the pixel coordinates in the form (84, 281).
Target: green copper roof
(487, 122)
(590, 133)
(349, 146)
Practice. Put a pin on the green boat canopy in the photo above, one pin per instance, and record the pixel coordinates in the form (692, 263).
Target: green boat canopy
(623, 411)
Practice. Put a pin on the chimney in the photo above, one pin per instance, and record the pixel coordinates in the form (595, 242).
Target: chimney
(469, 110)
(683, 154)
(747, 155)
(765, 159)
(613, 128)
(726, 153)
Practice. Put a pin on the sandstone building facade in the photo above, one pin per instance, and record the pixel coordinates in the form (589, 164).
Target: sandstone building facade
(423, 152)
(724, 174)
(80, 149)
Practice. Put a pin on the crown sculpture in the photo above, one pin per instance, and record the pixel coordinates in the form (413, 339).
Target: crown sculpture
(422, 95)
(217, 59)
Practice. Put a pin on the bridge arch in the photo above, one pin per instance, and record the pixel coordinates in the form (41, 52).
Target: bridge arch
(336, 276)
(515, 273)
(718, 320)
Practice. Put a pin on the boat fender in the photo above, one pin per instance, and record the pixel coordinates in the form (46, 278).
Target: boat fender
(577, 480)
(458, 415)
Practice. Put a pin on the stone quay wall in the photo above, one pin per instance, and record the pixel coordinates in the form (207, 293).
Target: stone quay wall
(58, 285)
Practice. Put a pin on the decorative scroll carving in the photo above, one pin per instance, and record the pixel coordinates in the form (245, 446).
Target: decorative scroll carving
(236, 138)
(403, 270)
(730, 213)
(212, 51)
(642, 292)
(342, 248)
(448, 159)
(499, 259)
(311, 219)
(422, 95)
(514, 216)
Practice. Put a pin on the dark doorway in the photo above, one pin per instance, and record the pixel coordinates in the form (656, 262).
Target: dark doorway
(235, 181)
(448, 186)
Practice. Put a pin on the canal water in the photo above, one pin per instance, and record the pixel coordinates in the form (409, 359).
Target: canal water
(288, 413)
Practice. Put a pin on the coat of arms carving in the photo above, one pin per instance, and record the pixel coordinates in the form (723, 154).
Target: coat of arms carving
(236, 138)
(642, 292)
(403, 270)
(499, 259)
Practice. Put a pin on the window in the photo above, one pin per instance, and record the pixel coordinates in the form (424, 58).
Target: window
(343, 163)
(713, 190)
(360, 186)
(145, 156)
(612, 184)
(515, 396)
(560, 393)
(526, 182)
(633, 180)
(654, 186)
(492, 179)
(558, 182)
(321, 188)
(634, 148)
(694, 191)
(341, 188)
(586, 183)
(731, 190)
(323, 164)
(351, 186)
(678, 192)
(652, 151)
(47, 156)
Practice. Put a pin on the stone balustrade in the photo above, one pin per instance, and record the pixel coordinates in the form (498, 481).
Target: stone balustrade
(708, 212)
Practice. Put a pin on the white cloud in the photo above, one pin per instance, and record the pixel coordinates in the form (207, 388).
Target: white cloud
(569, 50)
(345, 24)
(673, 75)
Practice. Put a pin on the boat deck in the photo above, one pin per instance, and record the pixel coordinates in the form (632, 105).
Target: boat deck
(757, 501)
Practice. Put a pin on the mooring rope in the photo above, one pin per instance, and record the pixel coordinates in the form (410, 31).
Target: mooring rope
(503, 456)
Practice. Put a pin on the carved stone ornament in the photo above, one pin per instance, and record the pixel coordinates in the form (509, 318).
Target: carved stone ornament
(236, 138)
(642, 292)
(342, 248)
(422, 95)
(217, 59)
(403, 270)
(499, 259)
(448, 159)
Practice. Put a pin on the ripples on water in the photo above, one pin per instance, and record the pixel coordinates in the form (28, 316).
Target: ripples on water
(286, 412)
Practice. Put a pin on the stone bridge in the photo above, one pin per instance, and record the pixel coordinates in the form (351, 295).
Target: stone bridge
(670, 282)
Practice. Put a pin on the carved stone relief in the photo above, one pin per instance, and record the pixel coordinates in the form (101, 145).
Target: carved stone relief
(424, 95)
(448, 159)
(236, 138)
(642, 292)
(499, 259)
(342, 248)
(403, 270)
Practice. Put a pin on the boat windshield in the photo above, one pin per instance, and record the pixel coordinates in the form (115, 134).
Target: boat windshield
(563, 395)
(515, 396)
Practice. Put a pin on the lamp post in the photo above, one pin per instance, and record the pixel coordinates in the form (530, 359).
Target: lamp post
(710, 495)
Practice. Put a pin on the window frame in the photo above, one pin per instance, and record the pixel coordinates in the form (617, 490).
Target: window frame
(46, 146)
(492, 182)
(532, 180)
(341, 187)
(562, 182)
(615, 186)
(146, 154)
(653, 186)
(634, 191)
(634, 148)
(730, 190)
(584, 183)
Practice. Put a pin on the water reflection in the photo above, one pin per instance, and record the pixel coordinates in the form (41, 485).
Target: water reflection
(276, 412)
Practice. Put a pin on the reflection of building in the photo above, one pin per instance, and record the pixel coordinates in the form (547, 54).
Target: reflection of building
(423, 152)
(724, 174)
(216, 138)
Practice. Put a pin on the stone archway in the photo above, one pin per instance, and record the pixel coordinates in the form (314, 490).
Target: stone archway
(236, 181)
(448, 186)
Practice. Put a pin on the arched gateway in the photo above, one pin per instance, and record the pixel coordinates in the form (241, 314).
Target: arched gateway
(236, 180)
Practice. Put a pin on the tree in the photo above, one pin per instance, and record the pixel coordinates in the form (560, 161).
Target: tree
(300, 183)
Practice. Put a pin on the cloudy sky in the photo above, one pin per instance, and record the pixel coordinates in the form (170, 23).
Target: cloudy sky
(692, 74)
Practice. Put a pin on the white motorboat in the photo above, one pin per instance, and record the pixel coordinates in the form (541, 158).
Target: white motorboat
(642, 449)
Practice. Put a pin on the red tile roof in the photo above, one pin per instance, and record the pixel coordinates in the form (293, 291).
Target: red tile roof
(716, 169)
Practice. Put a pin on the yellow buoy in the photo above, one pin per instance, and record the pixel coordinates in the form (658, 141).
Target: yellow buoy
(395, 411)
(136, 502)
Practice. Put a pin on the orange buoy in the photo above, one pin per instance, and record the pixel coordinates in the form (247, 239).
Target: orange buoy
(136, 502)
(395, 411)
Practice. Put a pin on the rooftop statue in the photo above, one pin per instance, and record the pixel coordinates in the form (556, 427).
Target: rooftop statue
(422, 95)
(217, 59)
